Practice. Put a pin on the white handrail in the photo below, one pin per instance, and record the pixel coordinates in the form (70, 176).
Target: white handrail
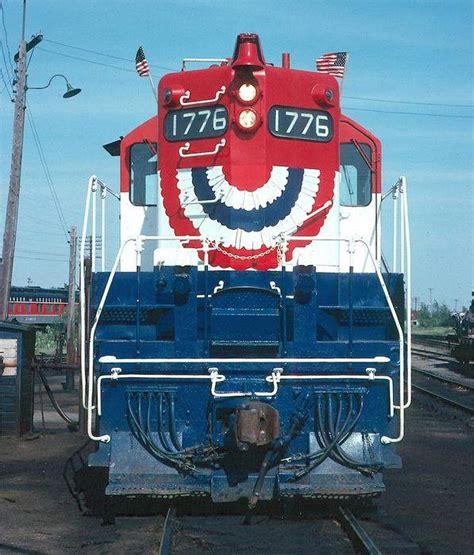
(110, 359)
(184, 149)
(400, 219)
(272, 379)
(408, 287)
(395, 196)
(93, 186)
(187, 95)
(82, 293)
(275, 378)
(103, 196)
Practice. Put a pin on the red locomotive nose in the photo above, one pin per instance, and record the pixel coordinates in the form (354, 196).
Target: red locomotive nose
(248, 52)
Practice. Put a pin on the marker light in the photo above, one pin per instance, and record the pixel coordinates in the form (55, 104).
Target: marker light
(247, 119)
(247, 92)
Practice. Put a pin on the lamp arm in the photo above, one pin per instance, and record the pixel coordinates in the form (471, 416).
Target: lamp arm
(49, 82)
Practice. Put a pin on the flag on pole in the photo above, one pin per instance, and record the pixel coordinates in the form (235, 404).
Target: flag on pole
(333, 63)
(143, 69)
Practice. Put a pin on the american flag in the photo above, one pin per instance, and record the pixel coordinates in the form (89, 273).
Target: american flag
(333, 63)
(143, 69)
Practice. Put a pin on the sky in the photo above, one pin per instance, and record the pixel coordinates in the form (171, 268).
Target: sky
(408, 80)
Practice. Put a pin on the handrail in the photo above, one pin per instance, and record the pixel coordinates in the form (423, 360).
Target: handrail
(184, 149)
(401, 245)
(94, 185)
(282, 240)
(187, 95)
(275, 378)
(351, 246)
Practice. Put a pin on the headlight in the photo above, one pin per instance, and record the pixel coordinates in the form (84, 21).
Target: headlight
(247, 119)
(247, 92)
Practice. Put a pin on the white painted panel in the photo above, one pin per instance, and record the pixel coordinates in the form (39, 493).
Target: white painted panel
(359, 222)
(9, 353)
(324, 254)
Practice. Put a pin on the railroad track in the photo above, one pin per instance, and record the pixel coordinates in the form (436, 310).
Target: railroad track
(357, 535)
(430, 340)
(442, 378)
(460, 398)
(434, 355)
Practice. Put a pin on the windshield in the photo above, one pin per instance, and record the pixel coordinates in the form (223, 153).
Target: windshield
(355, 189)
(143, 174)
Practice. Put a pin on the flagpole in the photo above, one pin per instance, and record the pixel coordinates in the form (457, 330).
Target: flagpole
(143, 69)
(342, 78)
(150, 79)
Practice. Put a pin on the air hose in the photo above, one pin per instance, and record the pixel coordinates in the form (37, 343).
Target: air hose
(72, 423)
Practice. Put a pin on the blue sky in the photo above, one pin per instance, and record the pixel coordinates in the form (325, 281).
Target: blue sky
(410, 51)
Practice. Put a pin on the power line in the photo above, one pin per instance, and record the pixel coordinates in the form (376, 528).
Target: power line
(349, 97)
(10, 76)
(40, 258)
(6, 85)
(40, 222)
(409, 113)
(105, 54)
(47, 173)
(6, 36)
(88, 61)
(52, 254)
(410, 102)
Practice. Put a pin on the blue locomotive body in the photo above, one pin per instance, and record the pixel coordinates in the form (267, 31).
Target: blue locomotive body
(170, 438)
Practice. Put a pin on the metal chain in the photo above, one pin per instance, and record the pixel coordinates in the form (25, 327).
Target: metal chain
(281, 248)
(243, 257)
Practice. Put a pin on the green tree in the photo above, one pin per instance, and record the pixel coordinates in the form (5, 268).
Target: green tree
(439, 316)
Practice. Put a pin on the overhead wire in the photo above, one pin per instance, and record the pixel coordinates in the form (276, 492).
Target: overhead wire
(88, 61)
(6, 85)
(112, 56)
(41, 258)
(105, 55)
(408, 113)
(6, 35)
(46, 171)
(7, 66)
(390, 101)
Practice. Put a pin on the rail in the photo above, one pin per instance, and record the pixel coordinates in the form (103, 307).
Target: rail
(94, 187)
(401, 260)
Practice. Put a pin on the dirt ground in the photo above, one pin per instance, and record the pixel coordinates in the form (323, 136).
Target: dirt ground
(430, 500)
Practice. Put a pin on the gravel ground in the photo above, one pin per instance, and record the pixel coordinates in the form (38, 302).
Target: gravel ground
(430, 500)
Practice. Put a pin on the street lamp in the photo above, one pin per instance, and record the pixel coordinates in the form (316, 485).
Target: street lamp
(9, 233)
(70, 90)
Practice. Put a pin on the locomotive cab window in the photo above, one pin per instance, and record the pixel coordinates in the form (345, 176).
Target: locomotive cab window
(143, 174)
(356, 176)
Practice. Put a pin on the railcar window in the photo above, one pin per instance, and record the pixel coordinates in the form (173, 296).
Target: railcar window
(143, 174)
(356, 177)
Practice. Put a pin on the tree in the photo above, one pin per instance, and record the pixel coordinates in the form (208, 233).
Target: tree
(439, 316)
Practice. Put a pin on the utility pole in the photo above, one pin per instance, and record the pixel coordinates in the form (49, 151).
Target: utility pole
(71, 311)
(430, 289)
(456, 305)
(11, 218)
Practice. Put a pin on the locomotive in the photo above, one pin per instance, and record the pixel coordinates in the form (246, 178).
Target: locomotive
(249, 341)
(462, 341)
